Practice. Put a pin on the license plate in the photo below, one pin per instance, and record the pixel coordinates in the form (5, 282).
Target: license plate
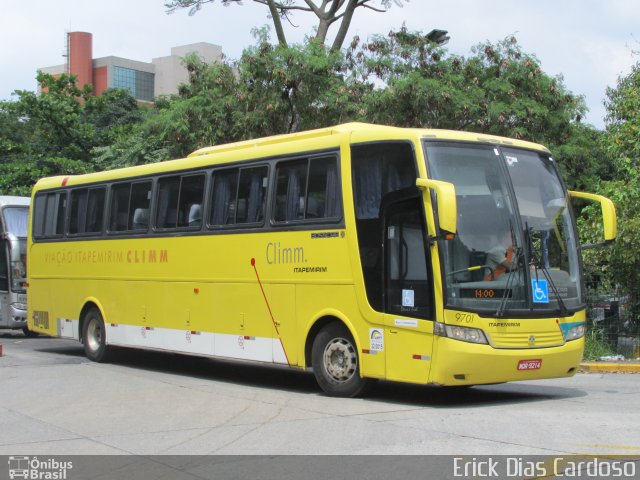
(530, 364)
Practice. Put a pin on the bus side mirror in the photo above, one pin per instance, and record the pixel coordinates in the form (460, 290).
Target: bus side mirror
(446, 197)
(609, 220)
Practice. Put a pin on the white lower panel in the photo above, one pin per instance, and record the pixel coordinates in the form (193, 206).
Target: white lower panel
(245, 347)
(260, 349)
(279, 355)
(68, 328)
(200, 343)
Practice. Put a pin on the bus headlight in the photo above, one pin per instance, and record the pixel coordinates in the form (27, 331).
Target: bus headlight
(18, 274)
(575, 332)
(456, 332)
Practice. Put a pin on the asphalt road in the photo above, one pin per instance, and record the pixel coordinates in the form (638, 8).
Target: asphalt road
(54, 401)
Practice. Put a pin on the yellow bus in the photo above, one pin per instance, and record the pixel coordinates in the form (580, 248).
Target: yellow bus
(358, 252)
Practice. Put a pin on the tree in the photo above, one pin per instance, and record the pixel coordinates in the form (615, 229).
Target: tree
(499, 89)
(58, 130)
(327, 13)
(54, 119)
(622, 146)
(270, 90)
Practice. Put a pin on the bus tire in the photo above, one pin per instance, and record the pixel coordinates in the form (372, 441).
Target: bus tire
(94, 336)
(335, 361)
(29, 333)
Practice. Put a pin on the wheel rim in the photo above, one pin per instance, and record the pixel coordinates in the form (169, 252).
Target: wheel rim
(340, 359)
(94, 334)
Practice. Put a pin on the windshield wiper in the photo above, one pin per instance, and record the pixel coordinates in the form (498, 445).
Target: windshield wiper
(538, 264)
(508, 294)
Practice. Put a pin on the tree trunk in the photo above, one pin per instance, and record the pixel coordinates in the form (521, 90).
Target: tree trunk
(277, 23)
(323, 29)
(345, 23)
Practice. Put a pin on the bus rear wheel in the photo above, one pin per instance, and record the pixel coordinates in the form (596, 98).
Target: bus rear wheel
(94, 336)
(335, 362)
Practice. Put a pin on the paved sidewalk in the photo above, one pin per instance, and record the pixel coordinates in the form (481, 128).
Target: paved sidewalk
(621, 366)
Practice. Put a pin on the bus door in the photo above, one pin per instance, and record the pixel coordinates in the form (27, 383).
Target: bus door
(408, 291)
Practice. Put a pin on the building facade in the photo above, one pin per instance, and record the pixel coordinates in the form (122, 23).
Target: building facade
(144, 80)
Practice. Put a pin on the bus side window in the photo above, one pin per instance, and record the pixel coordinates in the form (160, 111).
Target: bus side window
(95, 210)
(323, 198)
(168, 193)
(78, 211)
(223, 199)
(140, 200)
(251, 195)
(190, 201)
(290, 191)
(119, 207)
(49, 215)
(307, 189)
(39, 215)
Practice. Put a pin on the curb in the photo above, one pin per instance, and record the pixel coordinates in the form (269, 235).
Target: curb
(597, 367)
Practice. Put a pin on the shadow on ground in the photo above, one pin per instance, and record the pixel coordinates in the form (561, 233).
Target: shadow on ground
(283, 378)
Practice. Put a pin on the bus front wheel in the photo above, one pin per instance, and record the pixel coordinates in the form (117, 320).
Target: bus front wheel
(94, 336)
(29, 333)
(335, 362)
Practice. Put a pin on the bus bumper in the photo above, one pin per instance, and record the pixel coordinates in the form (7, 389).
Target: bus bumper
(16, 317)
(461, 363)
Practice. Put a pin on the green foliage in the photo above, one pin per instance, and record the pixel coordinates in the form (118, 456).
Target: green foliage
(269, 90)
(62, 130)
(499, 89)
(55, 117)
(17, 177)
(582, 158)
(287, 89)
(596, 345)
(131, 146)
(620, 264)
(114, 108)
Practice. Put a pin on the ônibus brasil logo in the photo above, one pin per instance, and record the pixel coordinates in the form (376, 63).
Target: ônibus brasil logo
(35, 469)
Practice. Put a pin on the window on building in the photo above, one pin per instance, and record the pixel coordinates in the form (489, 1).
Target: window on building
(125, 78)
(139, 84)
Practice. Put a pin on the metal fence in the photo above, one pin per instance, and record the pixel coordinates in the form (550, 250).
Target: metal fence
(612, 319)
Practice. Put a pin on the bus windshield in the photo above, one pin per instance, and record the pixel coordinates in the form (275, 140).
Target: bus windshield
(16, 220)
(515, 250)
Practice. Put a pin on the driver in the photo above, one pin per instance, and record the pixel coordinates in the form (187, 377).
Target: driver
(501, 257)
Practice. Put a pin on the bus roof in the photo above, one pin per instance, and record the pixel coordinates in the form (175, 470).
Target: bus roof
(278, 144)
(362, 132)
(11, 201)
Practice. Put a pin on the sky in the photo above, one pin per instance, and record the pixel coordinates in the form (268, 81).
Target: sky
(589, 42)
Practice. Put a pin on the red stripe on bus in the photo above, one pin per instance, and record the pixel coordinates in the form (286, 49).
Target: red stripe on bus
(273, 320)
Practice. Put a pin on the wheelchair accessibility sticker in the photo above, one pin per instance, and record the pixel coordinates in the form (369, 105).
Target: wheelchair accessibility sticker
(540, 291)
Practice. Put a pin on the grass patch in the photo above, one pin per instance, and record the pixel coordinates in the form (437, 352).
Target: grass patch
(596, 345)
